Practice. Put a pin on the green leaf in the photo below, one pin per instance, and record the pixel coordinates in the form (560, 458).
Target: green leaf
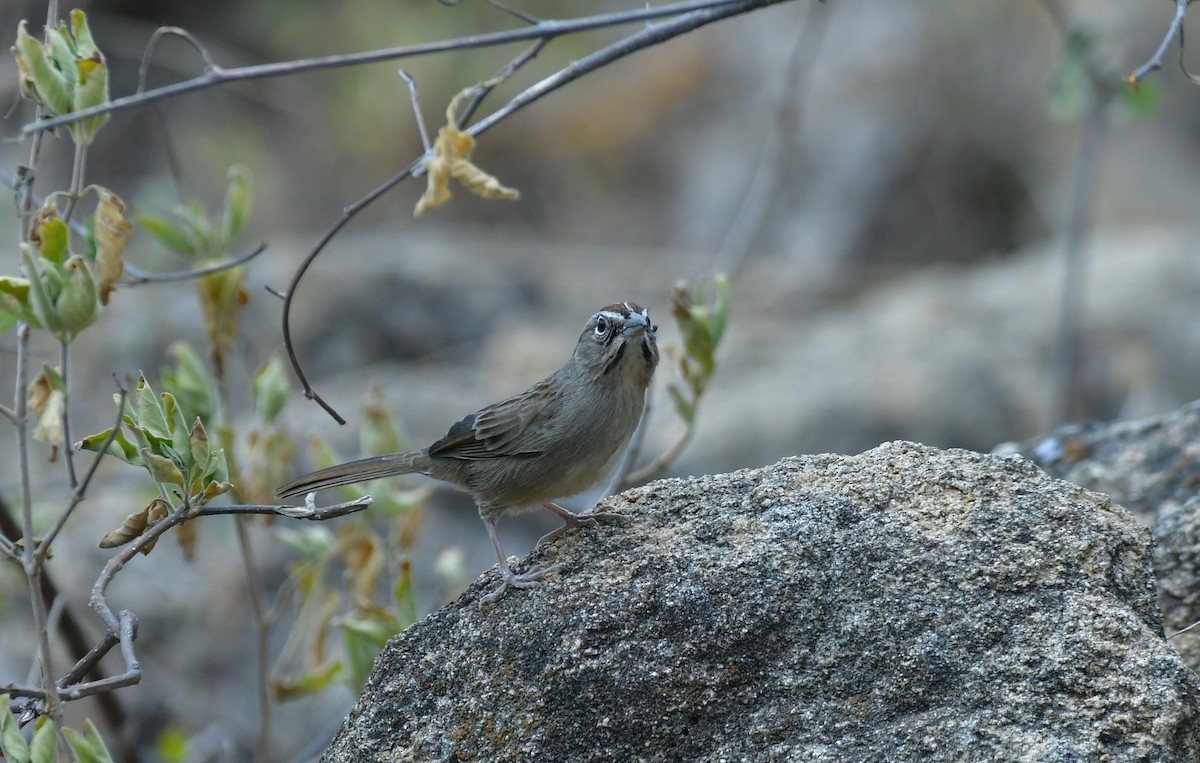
(237, 203)
(15, 300)
(12, 744)
(87, 747)
(180, 433)
(79, 302)
(7, 321)
(52, 87)
(85, 46)
(1071, 88)
(189, 381)
(166, 232)
(41, 749)
(1141, 100)
(361, 647)
(308, 682)
(378, 433)
(217, 469)
(53, 234)
(162, 469)
(270, 389)
(39, 297)
(198, 228)
(404, 596)
(150, 414)
(121, 447)
(172, 745)
(683, 406)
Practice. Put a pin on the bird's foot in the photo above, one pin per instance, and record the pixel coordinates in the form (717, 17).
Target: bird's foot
(509, 579)
(572, 520)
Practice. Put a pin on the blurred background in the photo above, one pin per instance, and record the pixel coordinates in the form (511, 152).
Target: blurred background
(889, 183)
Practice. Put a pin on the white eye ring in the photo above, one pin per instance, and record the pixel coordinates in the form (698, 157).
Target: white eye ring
(601, 326)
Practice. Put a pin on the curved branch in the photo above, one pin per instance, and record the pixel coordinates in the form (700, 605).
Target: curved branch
(137, 276)
(1156, 61)
(219, 76)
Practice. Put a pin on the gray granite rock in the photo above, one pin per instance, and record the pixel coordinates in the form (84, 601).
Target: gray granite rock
(1152, 467)
(904, 604)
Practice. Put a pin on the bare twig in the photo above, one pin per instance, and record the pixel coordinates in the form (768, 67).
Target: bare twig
(1175, 28)
(136, 276)
(262, 635)
(174, 31)
(549, 28)
(1191, 627)
(416, 107)
(68, 450)
(1067, 390)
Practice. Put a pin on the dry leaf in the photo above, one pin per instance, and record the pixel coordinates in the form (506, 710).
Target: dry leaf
(113, 230)
(452, 159)
(49, 405)
(136, 524)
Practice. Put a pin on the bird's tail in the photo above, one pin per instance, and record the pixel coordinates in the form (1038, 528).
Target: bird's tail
(409, 462)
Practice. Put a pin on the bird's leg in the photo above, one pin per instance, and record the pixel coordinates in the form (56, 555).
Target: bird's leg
(571, 519)
(509, 579)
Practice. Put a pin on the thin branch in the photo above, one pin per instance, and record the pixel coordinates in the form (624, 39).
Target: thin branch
(765, 179)
(164, 31)
(136, 276)
(262, 633)
(663, 461)
(1175, 28)
(68, 449)
(313, 513)
(549, 28)
(617, 482)
(1185, 630)
(696, 16)
(416, 107)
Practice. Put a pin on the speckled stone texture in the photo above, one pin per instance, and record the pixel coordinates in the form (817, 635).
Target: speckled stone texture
(905, 604)
(1152, 467)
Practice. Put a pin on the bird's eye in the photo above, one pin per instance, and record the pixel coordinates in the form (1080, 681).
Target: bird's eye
(601, 327)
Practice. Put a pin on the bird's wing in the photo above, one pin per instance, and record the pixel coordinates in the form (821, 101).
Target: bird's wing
(495, 431)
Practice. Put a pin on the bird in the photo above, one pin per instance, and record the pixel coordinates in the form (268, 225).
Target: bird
(556, 439)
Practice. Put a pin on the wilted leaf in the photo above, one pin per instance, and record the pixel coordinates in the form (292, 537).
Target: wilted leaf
(198, 444)
(113, 230)
(365, 559)
(47, 400)
(452, 159)
(221, 299)
(378, 434)
(136, 524)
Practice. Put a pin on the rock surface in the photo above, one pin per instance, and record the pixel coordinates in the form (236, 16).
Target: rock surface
(1152, 467)
(904, 604)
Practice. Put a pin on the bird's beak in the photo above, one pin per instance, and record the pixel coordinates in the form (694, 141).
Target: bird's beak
(636, 324)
